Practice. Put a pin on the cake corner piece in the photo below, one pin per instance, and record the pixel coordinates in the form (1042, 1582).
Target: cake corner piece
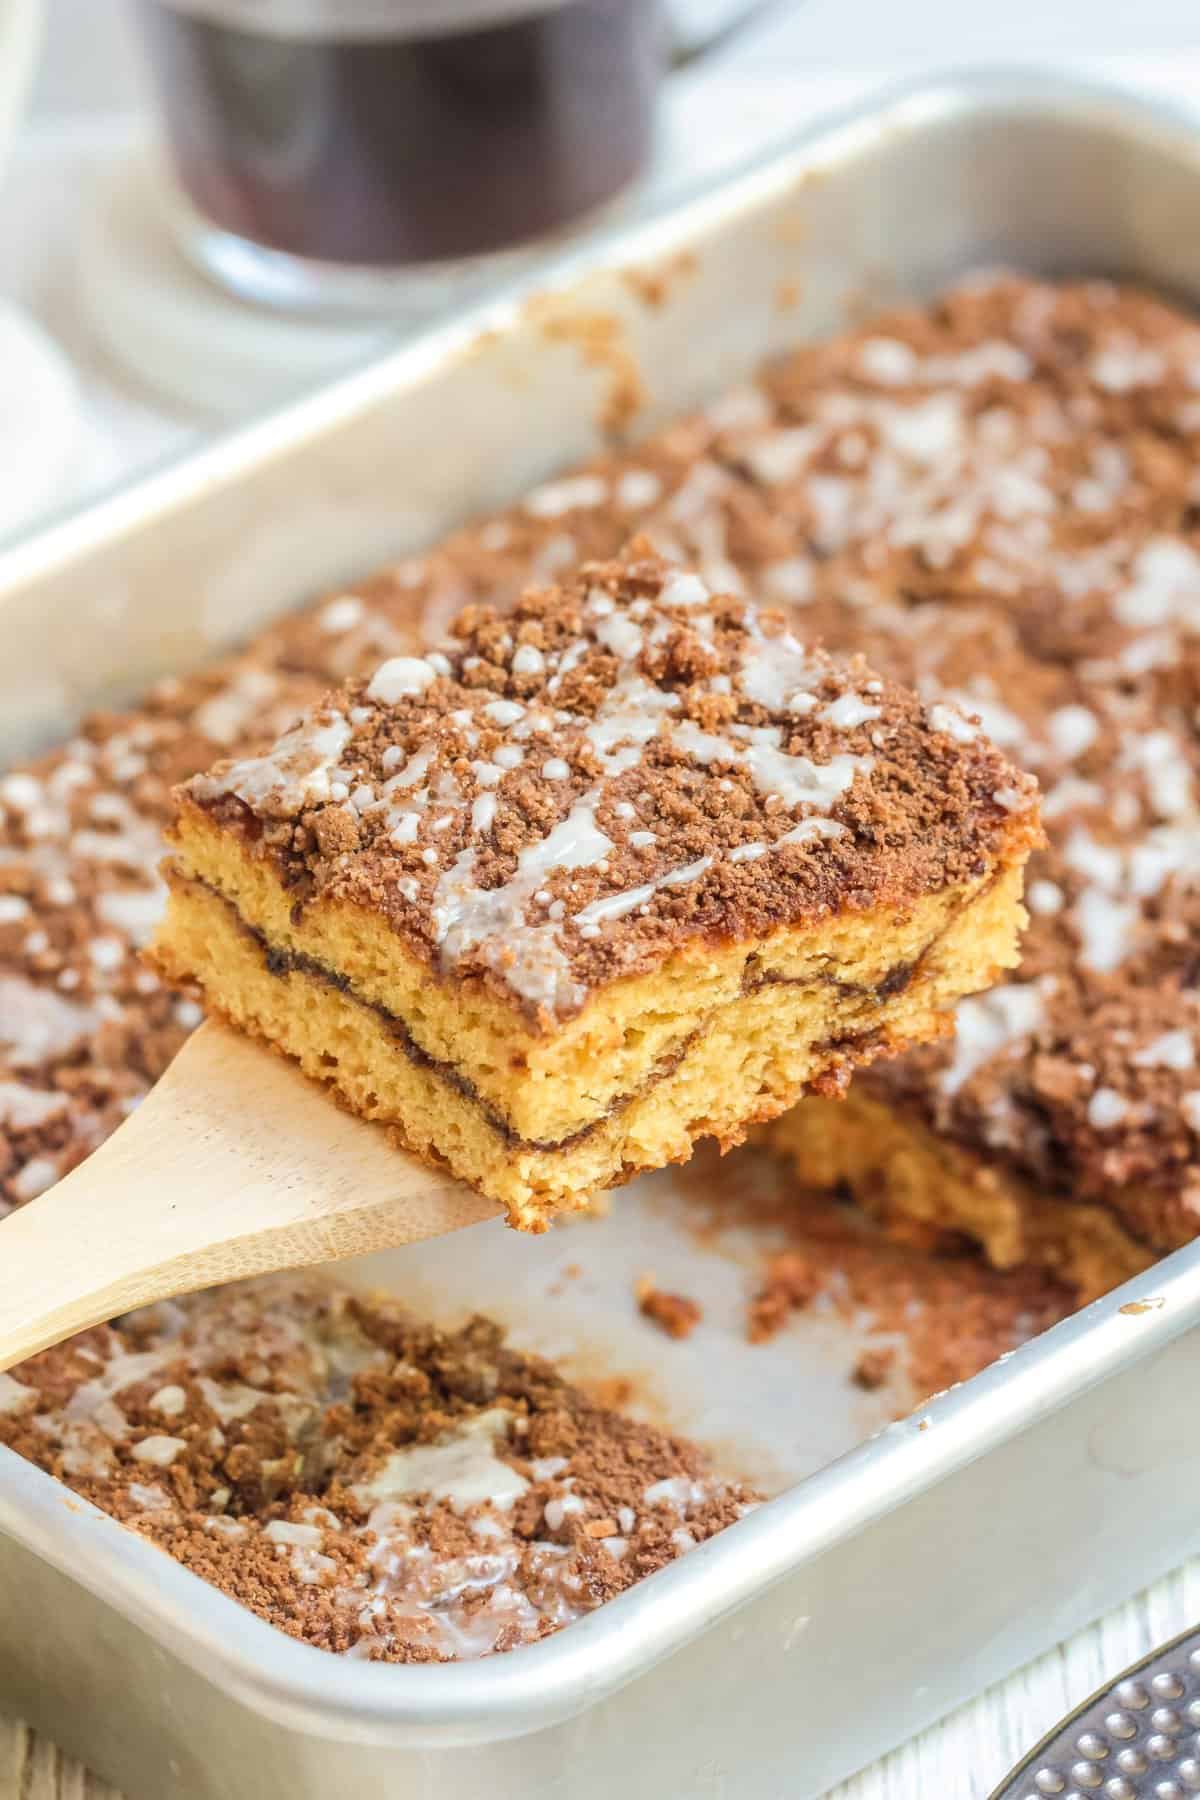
(623, 867)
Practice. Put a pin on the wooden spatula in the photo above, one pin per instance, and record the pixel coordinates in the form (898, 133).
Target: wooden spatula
(233, 1165)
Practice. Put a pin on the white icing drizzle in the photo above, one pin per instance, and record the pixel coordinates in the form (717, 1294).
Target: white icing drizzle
(1120, 877)
(677, 1491)
(557, 1512)
(740, 408)
(559, 497)
(91, 1417)
(283, 1531)
(1106, 928)
(529, 957)
(1172, 1050)
(340, 614)
(1126, 364)
(791, 580)
(989, 1024)
(808, 830)
(15, 1396)
(230, 711)
(779, 673)
(461, 1467)
(135, 911)
(159, 1450)
(684, 590)
(1106, 1108)
(849, 710)
(951, 721)
(921, 470)
(1045, 898)
(615, 906)
(1159, 757)
(1072, 730)
(929, 431)
(1068, 795)
(621, 635)
(24, 1108)
(293, 775)
(170, 1401)
(483, 814)
(37, 1025)
(796, 780)
(780, 456)
(638, 488)
(406, 773)
(888, 361)
(1165, 589)
(504, 712)
(399, 679)
(39, 1174)
(996, 720)
(630, 716)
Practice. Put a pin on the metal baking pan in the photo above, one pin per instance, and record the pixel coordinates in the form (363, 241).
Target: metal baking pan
(893, 1574)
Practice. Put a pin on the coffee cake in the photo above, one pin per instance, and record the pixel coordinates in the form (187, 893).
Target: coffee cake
(625, 866)
(361, 1480)
(993, 498)
(1003, 492)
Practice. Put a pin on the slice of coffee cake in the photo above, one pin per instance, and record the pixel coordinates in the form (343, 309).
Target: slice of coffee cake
(628, 866)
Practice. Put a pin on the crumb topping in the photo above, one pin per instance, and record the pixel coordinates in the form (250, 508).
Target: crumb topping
(992, 498)
(676, 1315)
(85, 1027)
(926, 1309)
(1037, 560)
(362, 1481)
(560, 794)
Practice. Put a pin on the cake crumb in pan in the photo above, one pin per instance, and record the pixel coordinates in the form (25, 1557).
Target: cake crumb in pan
(361, 1480)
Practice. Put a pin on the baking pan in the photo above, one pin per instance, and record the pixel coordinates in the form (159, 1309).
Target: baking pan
(892, 1575)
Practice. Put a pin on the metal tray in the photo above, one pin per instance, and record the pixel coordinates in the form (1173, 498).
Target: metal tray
(894, 1576)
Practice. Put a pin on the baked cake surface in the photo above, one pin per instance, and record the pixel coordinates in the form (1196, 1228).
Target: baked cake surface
(625, 866)
(993, 497)
(1004, 491)
(364, 1481)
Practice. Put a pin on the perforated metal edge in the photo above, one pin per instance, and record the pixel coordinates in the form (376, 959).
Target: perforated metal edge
(1136, 1739)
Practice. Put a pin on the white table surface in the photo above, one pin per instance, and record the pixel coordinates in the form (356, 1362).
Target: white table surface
(88, 99)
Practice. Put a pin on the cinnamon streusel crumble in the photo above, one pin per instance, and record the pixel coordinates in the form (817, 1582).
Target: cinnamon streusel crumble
(363, 1481)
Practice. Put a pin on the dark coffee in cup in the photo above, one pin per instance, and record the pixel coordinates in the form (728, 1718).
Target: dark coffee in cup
(391, 133)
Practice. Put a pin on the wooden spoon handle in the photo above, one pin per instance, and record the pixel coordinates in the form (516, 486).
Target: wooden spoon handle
(233, 1165)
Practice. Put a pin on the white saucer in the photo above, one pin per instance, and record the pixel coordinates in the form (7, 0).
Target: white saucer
(167, 324)
(40, 420)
